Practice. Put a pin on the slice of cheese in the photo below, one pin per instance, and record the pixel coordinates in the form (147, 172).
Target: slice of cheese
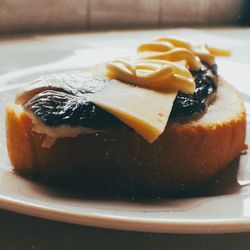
(146, 111)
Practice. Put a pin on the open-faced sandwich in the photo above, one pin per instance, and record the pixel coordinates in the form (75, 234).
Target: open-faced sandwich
(161, 121)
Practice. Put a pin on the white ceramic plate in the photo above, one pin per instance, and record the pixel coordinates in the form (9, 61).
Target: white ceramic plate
(225, 208)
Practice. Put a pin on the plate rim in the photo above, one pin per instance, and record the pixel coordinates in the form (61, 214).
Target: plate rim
(191, 226)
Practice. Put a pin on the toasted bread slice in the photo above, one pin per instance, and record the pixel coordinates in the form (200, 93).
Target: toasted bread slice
(187, 154)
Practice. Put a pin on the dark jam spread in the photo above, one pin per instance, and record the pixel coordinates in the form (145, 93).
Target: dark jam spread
(55, 108)
(56, 104)
(186, 105)
(62, 99)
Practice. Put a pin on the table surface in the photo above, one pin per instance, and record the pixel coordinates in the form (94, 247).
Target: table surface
(25, 232)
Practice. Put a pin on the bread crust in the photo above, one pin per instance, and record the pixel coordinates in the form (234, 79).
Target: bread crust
(186, 155)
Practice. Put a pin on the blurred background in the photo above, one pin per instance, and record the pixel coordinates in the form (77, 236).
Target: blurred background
(61, 15)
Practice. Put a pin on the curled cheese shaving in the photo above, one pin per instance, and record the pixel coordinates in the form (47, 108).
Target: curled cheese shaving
(158, 65)
(157, 74)
(176, 42)
(162, 46)
(218, 51)
(178, 54)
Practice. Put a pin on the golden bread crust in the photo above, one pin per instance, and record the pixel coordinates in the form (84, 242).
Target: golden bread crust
(186, 154)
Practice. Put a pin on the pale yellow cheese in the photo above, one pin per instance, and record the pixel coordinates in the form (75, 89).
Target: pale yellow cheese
(145, 110)
(159, 75)
(174, 49)
(162, 65)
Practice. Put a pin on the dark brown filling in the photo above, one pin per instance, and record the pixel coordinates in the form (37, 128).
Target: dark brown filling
(186, 105)
(56, 106)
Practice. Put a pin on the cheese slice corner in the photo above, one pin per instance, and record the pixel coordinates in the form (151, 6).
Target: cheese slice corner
(144, 110)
